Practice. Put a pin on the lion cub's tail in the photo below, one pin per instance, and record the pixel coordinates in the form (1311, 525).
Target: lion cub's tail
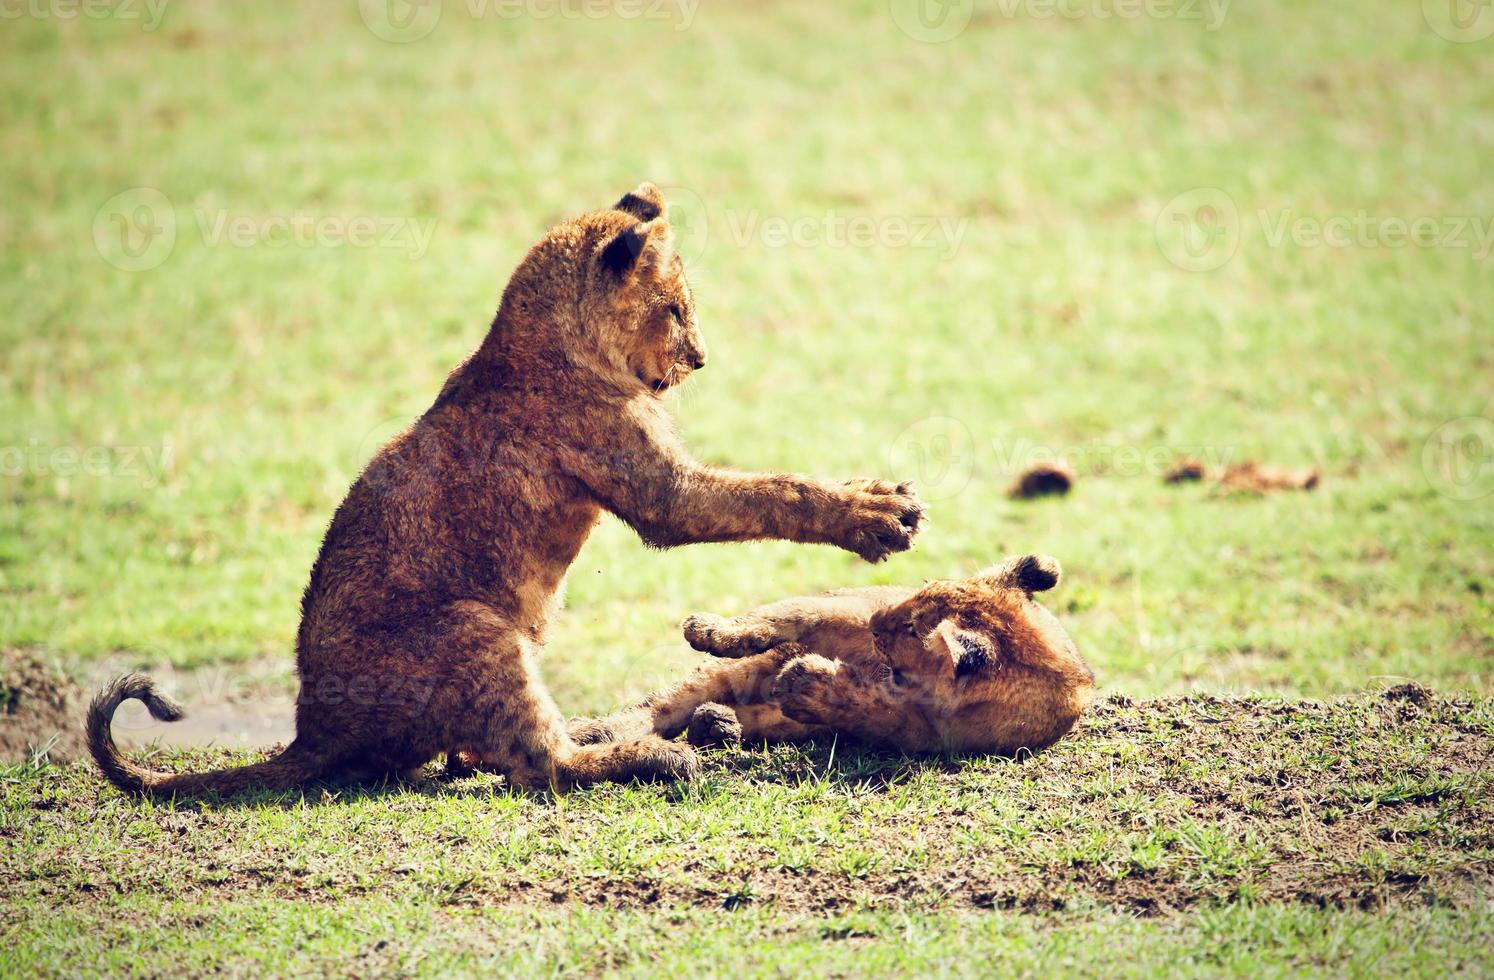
(287, 770)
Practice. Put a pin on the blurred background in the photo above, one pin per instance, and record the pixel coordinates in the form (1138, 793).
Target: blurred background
(242, 244)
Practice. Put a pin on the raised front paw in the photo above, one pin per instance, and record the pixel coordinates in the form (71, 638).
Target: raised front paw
(880, 518)
(722, 637)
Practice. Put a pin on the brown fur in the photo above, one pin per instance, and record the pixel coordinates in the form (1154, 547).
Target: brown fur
(442, 567)
(972, 666)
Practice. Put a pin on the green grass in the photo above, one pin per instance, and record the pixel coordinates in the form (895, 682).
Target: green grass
(230, 393)
(1246, 835)
(372, 935)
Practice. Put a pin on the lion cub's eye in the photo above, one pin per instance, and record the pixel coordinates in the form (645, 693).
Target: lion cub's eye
(910, 628)
(678, 314)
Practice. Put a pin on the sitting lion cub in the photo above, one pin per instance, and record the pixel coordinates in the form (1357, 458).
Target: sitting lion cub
(972, 666)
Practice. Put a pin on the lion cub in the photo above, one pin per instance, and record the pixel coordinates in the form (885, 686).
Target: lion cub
(972, 666)
(438, 577)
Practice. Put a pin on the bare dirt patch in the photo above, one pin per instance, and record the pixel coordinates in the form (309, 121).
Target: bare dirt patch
(39, 709)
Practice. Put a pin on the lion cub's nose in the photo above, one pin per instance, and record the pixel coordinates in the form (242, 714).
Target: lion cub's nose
(697, 360)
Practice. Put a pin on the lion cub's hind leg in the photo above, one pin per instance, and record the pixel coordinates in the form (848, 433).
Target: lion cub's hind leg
(740, 636)
(509, 723)
(719, 725)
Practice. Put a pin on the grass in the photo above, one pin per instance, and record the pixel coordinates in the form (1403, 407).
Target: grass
(1238, 835)
(174, 439)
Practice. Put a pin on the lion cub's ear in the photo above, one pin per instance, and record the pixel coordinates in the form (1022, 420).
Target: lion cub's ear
(969, 653)
(645, 202)
(1030, 573)
(621, 254)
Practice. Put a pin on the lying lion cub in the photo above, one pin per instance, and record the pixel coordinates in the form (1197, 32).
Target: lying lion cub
(973, 666)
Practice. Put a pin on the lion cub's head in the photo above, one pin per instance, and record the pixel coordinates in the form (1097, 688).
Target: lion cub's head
(988, 666)
(611, 283)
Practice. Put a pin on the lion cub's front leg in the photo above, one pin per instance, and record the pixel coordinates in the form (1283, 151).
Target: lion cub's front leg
(738, 637)
(643, 475)
(813, 690)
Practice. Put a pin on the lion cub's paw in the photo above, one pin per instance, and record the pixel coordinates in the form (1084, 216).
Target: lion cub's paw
(459, 765)
(714, 726)
(666, 761)
(722, 637)
(881, 519)
(804, 689)
(590, 731)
